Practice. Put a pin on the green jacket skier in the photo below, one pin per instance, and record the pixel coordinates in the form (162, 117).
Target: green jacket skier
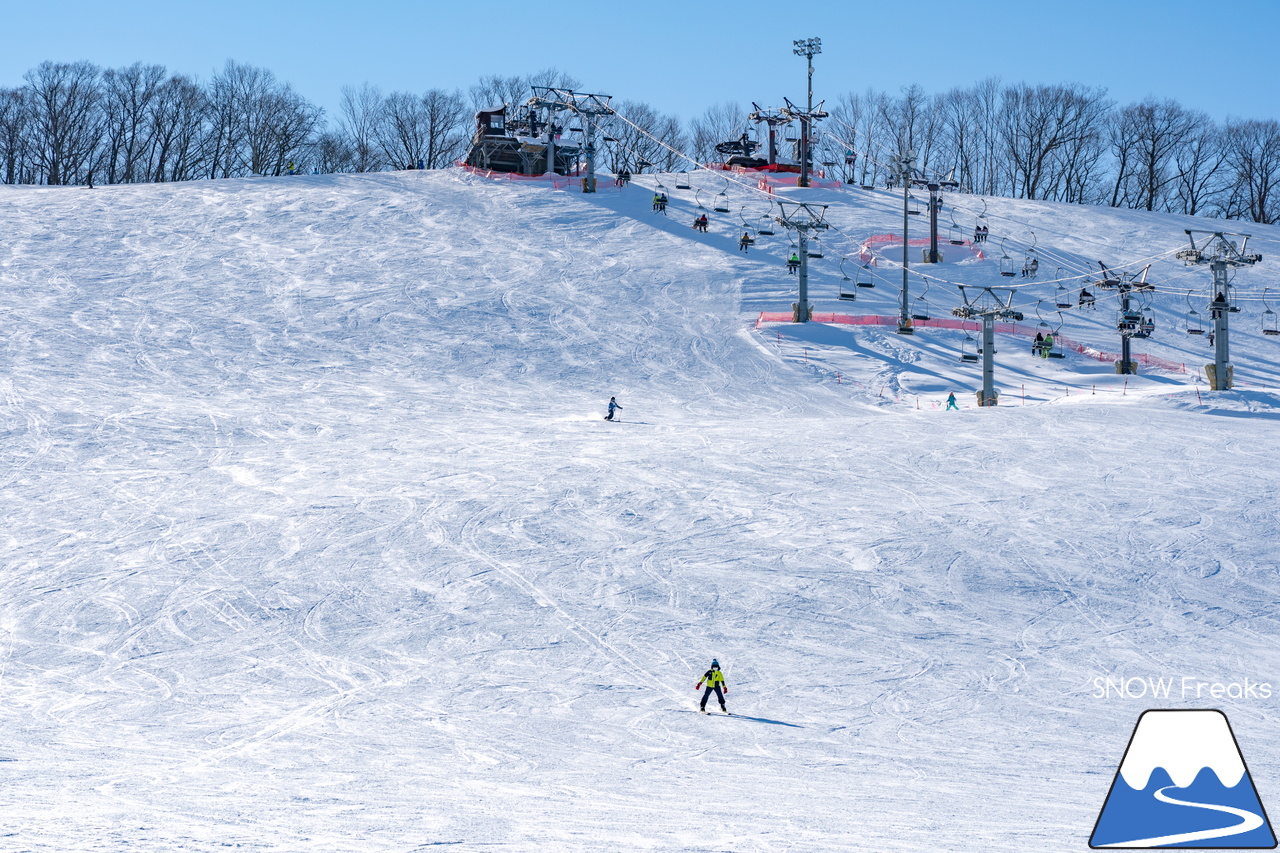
(714, 679)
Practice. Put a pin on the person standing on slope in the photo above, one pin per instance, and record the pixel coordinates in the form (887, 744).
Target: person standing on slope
(714, 679)
(613, 404)
(951, 402)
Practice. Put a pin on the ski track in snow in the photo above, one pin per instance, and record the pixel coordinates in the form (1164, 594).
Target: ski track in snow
(316, 540)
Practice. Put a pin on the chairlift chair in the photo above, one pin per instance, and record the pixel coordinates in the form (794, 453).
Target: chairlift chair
(848, 288)
(1006, 263)
(1194, 326)
(1063, 299)
(1086, 299)
(913, 205)
(863, 277)
(920, 307)
(955, 234)
(968, 349)
(814, 249)
(1270, 320)
(721, 203)
(1056, 350)
(765, 228)
(682, 180)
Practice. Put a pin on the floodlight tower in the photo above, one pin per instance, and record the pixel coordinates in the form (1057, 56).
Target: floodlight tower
(804, 218)
(808, 48)
(1221, 255)
(988, 306)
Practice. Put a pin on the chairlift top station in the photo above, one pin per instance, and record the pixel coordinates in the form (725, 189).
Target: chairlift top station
(535, 138)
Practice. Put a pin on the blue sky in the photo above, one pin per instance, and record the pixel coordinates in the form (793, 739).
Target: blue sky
(681, 57)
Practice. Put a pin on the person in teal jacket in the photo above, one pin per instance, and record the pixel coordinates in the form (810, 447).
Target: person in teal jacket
(714, 679)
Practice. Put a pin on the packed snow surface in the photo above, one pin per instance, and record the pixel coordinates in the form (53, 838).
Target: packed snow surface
(315, 537)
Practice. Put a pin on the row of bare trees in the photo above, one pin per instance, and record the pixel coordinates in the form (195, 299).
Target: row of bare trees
(75, 123)
(1065, 142)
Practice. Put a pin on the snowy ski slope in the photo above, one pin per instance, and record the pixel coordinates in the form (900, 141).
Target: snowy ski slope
(315, 539)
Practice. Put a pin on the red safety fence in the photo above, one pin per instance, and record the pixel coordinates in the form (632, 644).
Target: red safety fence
(875, 241)
(557, 181)
(974, 326)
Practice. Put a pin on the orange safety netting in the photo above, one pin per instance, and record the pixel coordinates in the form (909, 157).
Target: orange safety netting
(974, 326)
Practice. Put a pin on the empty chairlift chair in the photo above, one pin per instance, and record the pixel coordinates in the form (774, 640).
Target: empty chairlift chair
(682, 180)
(968, 349)
(848, 288)
(721, 204)
(920, 307)
(863, 277)
(1006, 263)
(1270, 321)
(1062, 299)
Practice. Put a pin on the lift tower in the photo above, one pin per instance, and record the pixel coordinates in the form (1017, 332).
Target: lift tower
(987, 305)
(1221, 254)
(590, 107)
(804, 218)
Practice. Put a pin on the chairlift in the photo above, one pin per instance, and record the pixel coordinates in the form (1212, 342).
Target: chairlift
(1055, 351)
(814, 249)
(1087, 299)
(980, 227)
(968, 349)
(1194, 326)
(721, 203)
(955, 234)
(920, 307)
(682, 180)
(1270, 321)
(765, 228)
(848, 288)
(1006, 262)
(1063, 298)
(863, 277)
(1030, 263)
(913, 205)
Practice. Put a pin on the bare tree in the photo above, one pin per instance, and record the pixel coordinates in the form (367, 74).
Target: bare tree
(1038, 122)
(1199, 163)
(717, 124)
(128, 94)
(66, 119)
(332, 152)
(645, 137)
(14, 120)
(180, 138)
(494, 91)
(1253, 152)
(360, 109)
(404, 130)
(447, 131)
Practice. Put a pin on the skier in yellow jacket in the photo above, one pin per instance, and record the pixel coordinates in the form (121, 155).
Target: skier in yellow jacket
(714, 679)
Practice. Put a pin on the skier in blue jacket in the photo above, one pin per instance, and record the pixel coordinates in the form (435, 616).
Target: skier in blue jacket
(613, 404)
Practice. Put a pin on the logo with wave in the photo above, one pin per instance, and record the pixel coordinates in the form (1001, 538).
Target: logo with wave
(1183, 783)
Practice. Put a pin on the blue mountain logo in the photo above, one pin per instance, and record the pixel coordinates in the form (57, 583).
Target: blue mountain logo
(1183, 783)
